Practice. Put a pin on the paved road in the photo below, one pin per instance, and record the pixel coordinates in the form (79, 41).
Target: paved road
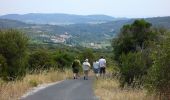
(67, 90)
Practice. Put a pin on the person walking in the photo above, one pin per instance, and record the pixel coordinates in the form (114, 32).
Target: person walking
(86, 66)
(76, 67)
(96, 68)
(102, 65)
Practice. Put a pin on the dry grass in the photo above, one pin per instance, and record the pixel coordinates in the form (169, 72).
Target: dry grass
(108, 89)
(14, 90)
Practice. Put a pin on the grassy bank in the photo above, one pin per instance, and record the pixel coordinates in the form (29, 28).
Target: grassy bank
(108, 89)
(14, 90)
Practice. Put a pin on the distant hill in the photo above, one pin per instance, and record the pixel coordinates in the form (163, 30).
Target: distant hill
(58, 19)
(82, 32)
(6, 23)
(160, 21)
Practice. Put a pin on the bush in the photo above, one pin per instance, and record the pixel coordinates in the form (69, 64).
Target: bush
(63, 59)
(3, 67)
(13, 46)
(131, 51)
(158, 79)
(132, 69)
(40, 60)
(87, 54)
(33, 83)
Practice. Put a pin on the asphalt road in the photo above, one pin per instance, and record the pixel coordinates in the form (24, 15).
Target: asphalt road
(67, 90)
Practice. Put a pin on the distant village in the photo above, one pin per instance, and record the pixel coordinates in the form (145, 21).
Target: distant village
(57, 38)
(63, 38)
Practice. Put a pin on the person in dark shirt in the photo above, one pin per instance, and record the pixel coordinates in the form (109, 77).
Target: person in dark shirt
(76, 67)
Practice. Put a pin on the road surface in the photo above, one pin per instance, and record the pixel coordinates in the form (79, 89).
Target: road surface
(67, 90)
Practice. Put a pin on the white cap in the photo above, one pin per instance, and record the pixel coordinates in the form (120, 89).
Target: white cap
(86, 60)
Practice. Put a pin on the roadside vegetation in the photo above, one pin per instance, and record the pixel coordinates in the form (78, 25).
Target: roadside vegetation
(24, 65)
(109, 89)
(142, 54)
(138, 63)
(13, 90)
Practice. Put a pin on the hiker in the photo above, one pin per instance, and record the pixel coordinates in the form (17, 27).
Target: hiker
(102, 65)
(75, 67)
(86, 66)
(96, 68)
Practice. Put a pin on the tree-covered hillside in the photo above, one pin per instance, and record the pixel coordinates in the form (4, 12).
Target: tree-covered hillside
(58, 19)
(76, 34)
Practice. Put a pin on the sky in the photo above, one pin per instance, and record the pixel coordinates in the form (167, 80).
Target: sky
(115, 8)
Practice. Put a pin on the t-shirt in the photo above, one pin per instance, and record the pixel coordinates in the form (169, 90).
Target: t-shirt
(96, 65)
(102, 62)
(76, 64)
(86, 65)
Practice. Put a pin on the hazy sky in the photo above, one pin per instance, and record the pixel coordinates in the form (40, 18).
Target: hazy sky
(116, 8)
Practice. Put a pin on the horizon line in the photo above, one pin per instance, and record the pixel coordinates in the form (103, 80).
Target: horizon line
(82, 15)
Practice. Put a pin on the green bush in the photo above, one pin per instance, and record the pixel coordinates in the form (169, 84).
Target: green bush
(13, 46)
(132, 69)
(158, 79)
(33, 83)
(131, 51)
(63, 59)
(40, 60)
(3, 67)
(87, 54)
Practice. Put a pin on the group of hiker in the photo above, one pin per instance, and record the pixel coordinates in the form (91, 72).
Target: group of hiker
(99, 67)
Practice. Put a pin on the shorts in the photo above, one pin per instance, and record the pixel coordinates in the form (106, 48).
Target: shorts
(96, 70)
(75, 70)
(86, 71)
(102, 70)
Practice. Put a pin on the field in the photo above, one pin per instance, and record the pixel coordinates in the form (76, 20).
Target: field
(108, 89)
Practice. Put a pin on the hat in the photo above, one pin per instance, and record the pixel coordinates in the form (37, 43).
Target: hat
(86, 60)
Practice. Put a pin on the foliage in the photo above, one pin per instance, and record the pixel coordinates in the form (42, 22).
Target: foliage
(131, 50)
(33, 83)
(13, 46)
(132, 68)
(158, 79)
(40, 60)
(132, 38)
(87, 54)
(3, 67)
(63, 59)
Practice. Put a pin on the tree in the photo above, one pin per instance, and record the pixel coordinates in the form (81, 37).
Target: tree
(87, 54)
(63, 59)
(13, 46)
(131, 50)
(158, 79)
(133, 38)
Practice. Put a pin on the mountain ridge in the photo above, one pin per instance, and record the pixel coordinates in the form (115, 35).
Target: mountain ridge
(58, 18)
(82, 32)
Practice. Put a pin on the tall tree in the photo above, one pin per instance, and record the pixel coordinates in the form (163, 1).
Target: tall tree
(130, 50)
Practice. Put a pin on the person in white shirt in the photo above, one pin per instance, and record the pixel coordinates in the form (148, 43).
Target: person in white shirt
(102, 65)
(86, 66)
(96, 68)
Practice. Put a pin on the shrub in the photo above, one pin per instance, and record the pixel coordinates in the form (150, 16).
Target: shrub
(13, 46)
(133, 67)
(131, 51)
(63, 59)
(3, 67)
(40, 60)
(158, 79)
(87, 54)
(33, 83)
